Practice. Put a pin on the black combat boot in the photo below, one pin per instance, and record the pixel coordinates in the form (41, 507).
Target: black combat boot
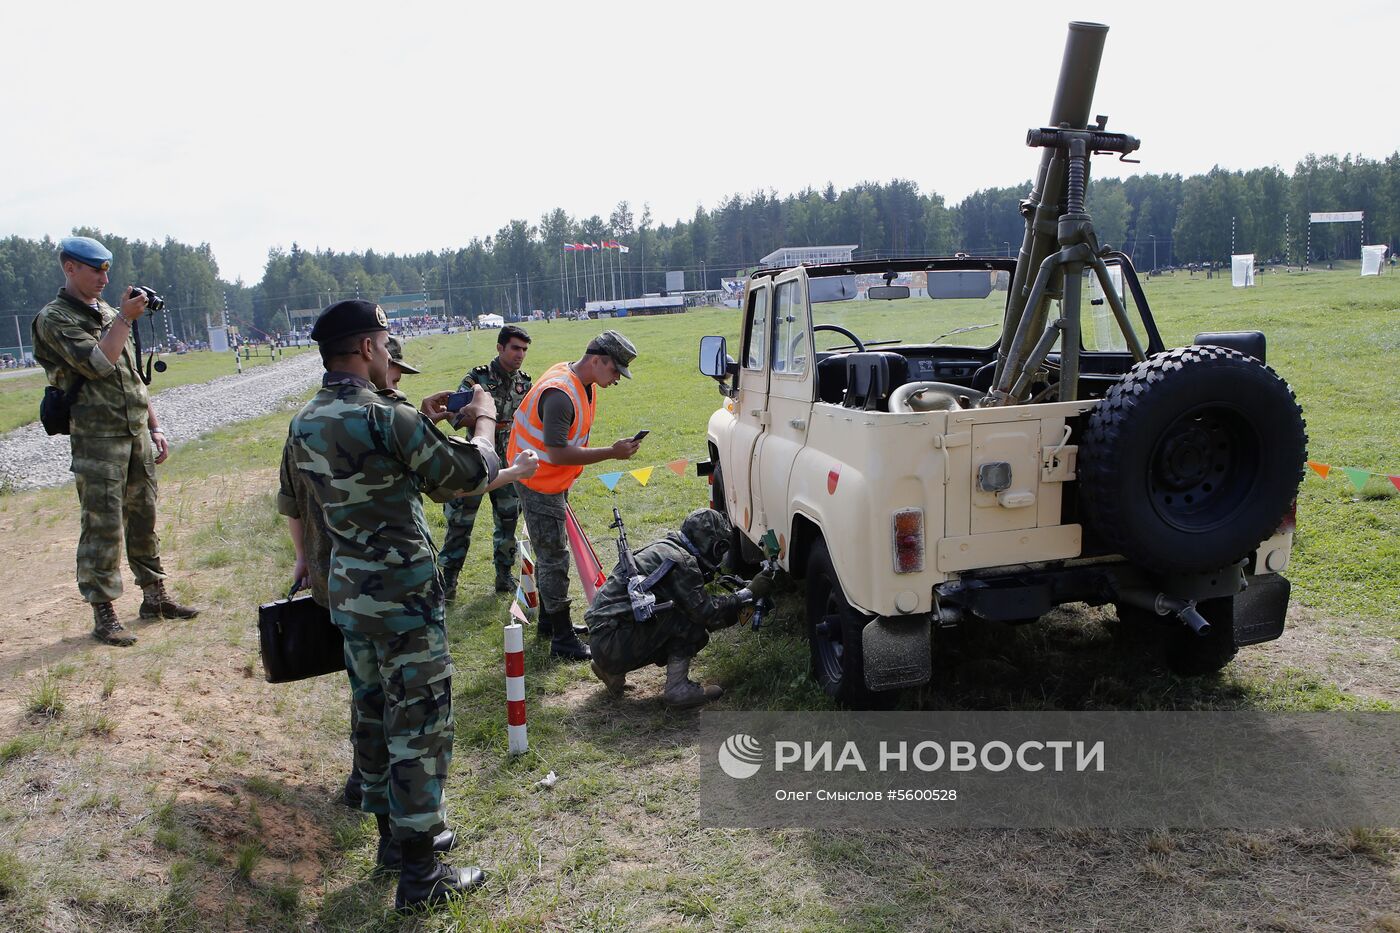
(108, 628)
(544, 628)
(564, 641)
(354, 790)
(156, 603)
(449, 583)
(390, 854)
(425, 880)
(505, 581)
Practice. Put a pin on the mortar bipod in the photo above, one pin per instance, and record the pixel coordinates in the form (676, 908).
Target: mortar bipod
(1079, 247)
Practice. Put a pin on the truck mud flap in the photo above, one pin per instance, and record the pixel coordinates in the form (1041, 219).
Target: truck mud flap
(1260, 609)
(896, 652)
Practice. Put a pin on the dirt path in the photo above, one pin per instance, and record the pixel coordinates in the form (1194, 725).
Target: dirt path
(173, 750)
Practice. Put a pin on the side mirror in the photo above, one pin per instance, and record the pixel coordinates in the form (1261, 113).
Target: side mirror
(713, 358)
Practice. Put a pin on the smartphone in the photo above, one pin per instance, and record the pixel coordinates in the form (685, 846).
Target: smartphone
(458, 400)
(640, 434)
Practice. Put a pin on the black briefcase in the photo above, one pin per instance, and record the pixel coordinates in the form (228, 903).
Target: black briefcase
(298, 640)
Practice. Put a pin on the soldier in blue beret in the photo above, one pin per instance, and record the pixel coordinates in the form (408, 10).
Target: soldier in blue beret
(86, 350)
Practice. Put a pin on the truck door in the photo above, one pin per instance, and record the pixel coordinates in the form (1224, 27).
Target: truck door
(752, 405)
(790, 393)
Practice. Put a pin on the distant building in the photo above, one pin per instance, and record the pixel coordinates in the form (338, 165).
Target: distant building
(413, 304)
(808, 255)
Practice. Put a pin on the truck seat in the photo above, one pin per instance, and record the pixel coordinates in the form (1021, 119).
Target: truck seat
(871, 377)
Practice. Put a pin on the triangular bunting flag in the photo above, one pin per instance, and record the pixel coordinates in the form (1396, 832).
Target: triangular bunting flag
(1321, 469)
(1395, 481)
(609, 479)
(516, 613)
(678, 466)
(642, 475)
(1358, 477)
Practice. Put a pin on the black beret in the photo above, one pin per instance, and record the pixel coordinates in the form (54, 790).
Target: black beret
(349, 317)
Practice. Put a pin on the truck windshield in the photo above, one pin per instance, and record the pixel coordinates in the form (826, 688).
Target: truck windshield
(954, 307)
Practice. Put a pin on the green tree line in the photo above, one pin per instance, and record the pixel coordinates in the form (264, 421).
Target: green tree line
(1159, 219)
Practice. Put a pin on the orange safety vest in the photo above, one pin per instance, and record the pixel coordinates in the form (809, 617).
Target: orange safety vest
(527, 430)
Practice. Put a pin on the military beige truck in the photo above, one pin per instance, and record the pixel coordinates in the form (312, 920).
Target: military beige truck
(942, 441)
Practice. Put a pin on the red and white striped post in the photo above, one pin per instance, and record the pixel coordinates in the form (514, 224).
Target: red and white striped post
(515, 686)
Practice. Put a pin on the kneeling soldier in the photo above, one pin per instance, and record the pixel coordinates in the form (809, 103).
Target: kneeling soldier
(680, 613)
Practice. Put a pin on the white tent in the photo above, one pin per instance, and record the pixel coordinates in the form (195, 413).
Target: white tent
(1373, 259)
(490, 320)
(1242, 270)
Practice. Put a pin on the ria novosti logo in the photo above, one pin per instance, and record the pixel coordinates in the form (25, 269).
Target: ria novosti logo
(740, 756)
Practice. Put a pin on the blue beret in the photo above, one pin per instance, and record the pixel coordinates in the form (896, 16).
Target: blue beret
(86, 250)
(349, 317)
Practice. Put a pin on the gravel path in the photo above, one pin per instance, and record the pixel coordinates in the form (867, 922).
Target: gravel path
(29, 458)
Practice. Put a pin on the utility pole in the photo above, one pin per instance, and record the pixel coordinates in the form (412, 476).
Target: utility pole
(518, 307)
(1153, 238)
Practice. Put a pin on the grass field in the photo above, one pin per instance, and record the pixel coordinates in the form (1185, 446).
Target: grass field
(19, 395)
(222, 834)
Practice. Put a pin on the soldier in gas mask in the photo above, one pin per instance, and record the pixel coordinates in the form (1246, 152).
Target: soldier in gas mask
(655, 608)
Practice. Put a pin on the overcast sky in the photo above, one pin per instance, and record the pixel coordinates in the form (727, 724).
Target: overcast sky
(417, 126)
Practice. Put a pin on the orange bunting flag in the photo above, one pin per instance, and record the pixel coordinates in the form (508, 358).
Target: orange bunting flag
(1321, 469)
(678, 466)
(642, 475)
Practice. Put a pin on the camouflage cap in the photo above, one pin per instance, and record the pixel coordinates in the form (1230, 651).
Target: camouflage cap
(396, 356)
(611, 343)
(710, 532)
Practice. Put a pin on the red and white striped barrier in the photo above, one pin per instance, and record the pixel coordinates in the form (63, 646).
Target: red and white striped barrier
(515, 684)
(527, 592)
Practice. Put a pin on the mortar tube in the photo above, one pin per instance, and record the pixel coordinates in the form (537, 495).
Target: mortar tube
(1073, 101)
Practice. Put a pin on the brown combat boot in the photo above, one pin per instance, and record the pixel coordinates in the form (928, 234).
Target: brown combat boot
(616, 684)
(157, 604)
(106, 627)
(681, 692)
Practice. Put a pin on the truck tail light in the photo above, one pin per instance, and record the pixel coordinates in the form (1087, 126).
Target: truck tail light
(908, 540)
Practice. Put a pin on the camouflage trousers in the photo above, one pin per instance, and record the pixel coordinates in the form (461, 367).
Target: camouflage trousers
(116, 481)
(544, 518)
(622, 645)
(461, 516)
(402, 724)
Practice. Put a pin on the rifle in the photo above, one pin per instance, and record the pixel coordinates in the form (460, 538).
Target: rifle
(644, 604)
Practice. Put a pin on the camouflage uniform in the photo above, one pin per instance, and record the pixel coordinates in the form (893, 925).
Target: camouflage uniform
(113, 457)
(367, 456)
(545, 520)
(507, 389)
(620, 643)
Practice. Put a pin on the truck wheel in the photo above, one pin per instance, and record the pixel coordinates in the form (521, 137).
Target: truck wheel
(1183, 651)
(1191, 459)
(834, 636)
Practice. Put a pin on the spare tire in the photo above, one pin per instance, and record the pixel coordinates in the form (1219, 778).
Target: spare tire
(1191, 459)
